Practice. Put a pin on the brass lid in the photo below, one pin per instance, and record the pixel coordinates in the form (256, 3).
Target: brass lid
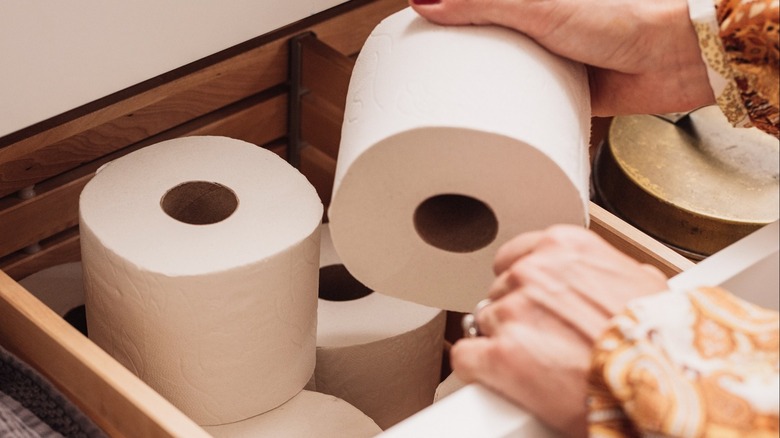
(697, 185)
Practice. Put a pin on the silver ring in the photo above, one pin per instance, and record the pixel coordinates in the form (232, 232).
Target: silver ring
(469, 322)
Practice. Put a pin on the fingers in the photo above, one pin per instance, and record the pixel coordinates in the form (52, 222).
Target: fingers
(574, 309)
(508, 254)
(571, 260)
(505, 283)
(511, 308)
(446, 12)
(561, 235)
(470, 359)
(542, 369)
(497, 362)
(655, 272)
(516, 248)
(460, 12)
(533, 305)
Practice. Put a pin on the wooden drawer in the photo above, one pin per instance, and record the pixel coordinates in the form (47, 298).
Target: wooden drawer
(107, 392)
(243, 93)
(125, 406)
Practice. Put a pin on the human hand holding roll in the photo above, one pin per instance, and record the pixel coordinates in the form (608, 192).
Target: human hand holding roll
(554, 293)
(444, 155)
(642, 57)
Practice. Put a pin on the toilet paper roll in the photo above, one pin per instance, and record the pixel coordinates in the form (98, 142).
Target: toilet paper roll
(455, 139)
(308, 414)
(448, 386)
(61, 289)
(201, 266)
(379, 353)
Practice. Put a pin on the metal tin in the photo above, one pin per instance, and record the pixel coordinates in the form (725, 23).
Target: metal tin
(696, 185)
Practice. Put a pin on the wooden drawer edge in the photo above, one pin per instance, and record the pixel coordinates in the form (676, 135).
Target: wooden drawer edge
(125, 406)
(110, 394)
(636, 243)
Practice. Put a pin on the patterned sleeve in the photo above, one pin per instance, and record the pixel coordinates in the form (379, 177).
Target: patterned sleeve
(740, 43)
(695, 364)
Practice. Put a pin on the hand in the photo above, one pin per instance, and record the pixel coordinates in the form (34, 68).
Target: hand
(642, 56)
(554, 293)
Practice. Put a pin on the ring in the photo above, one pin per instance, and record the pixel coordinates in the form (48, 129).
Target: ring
(469, 322)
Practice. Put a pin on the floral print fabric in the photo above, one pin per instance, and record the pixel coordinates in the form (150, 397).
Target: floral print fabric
(740, 42)
(701, 363)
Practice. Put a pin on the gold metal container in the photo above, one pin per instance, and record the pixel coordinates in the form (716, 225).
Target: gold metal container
(696, 185)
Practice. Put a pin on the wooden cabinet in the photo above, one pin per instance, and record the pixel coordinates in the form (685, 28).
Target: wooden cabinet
(242, 92)
(247, 92)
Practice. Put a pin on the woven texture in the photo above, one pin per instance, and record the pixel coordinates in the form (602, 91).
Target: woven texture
(31, 406)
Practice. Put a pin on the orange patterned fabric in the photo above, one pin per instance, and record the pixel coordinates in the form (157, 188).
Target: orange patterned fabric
(740, 43)
(696, 364)
(749, 30)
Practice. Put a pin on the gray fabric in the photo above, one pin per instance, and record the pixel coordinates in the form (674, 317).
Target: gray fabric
(18, 381)
(18, 422)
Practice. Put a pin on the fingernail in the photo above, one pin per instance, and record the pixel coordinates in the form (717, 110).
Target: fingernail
(425, 2)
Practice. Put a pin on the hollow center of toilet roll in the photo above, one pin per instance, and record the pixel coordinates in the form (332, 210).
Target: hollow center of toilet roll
(337, 284)
(199, 202)
(455, 223)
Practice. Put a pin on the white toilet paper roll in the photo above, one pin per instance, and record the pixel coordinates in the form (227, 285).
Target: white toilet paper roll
(308, 414)
(60, 287)
(200, 263)
(378, 353)
(455, 139)
(448, 386)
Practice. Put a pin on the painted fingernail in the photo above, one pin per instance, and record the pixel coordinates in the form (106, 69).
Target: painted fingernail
(425, 2)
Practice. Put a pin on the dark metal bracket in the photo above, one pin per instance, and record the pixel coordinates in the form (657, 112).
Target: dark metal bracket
(296, 92)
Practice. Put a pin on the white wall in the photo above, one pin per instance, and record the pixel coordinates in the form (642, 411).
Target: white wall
(58, 55)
